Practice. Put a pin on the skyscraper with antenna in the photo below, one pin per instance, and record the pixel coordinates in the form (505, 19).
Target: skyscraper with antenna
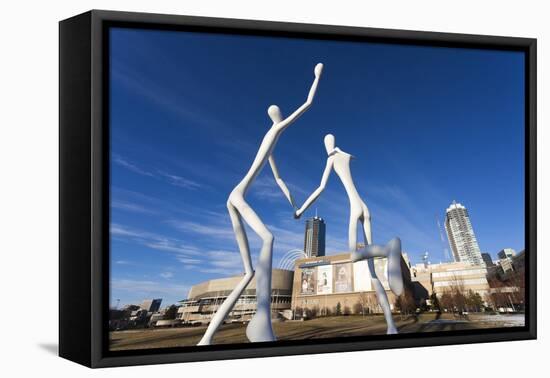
(314, 238)
(460, 233)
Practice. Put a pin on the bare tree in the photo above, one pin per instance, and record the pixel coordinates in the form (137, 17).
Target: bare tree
(313, 312)
(446, 300)
(457, 292)
(363, 301)
(405, 303)
(474, 302)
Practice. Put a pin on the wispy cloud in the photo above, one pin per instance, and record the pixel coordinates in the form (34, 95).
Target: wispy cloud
(265, 187)
(189, 261)
(119, 230)
(174, 246)
(167, 275)
(123, 262)
(158, 174)
(217, 230)
(154, 241)
(180, 181)
(124, 193)
(219, 271)
(132, 207)
(225, 263)
(286, 239)
(219, 262)
(117, 159)
(165, 97)
(395, 213)
(147, 288)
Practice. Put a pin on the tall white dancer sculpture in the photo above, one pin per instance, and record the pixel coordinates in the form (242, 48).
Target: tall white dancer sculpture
(259, 328)
(340, 162)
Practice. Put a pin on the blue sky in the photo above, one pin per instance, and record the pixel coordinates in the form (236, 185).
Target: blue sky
(427, 126)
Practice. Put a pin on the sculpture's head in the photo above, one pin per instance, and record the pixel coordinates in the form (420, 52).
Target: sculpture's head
(275, 113)
(330, 142)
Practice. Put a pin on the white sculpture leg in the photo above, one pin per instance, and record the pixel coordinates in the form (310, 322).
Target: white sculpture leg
(392, 251)
(230, 301)
(259, 329)
(382, 299)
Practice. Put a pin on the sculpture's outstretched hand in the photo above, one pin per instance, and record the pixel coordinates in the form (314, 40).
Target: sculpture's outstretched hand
(318, 69)
(298, 112)
(297, 214)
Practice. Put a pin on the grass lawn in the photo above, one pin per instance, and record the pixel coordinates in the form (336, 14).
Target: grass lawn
(336, 326)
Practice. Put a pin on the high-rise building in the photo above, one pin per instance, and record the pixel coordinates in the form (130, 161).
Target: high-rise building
(151, 305)
(506, 265)
(314, 238)
(460, 233)
(487, 259)
(505, 257)
(506, 253)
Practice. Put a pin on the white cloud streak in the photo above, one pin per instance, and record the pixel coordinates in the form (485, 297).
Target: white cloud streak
(154, 241)
(164, 176)
(130, 166)
(167, 275)
(148, 288)
(131, 207)
(218, 230)
(180, 181)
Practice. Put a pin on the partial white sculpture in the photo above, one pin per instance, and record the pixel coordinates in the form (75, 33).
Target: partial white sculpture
(340, 162)
(259, 328)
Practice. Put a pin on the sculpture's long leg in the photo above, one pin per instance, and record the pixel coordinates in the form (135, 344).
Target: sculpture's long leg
(259, 328)
(382, 298)
(378, 251)
(367, 230)
(229, 303)
(392, 251)
(352, 233)
(370, 251)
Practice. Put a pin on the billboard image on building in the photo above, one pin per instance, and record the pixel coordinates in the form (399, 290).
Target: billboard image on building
(361, 276)
(308, 281)
(342, 278)
(324, 279)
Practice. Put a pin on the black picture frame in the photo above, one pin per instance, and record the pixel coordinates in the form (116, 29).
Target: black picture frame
(84, 187)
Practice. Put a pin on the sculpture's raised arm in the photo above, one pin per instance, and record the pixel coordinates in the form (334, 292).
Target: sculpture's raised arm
(318, 191)
(301, 110)
(280, 181)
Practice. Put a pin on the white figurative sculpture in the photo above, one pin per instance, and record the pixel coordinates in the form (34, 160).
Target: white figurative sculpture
(340, 162)
(259, 328)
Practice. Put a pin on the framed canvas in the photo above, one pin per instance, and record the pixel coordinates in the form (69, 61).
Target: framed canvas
(234, 188)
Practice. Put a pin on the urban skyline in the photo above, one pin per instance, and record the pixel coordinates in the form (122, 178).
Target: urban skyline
(314, 237)
(408, 122)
